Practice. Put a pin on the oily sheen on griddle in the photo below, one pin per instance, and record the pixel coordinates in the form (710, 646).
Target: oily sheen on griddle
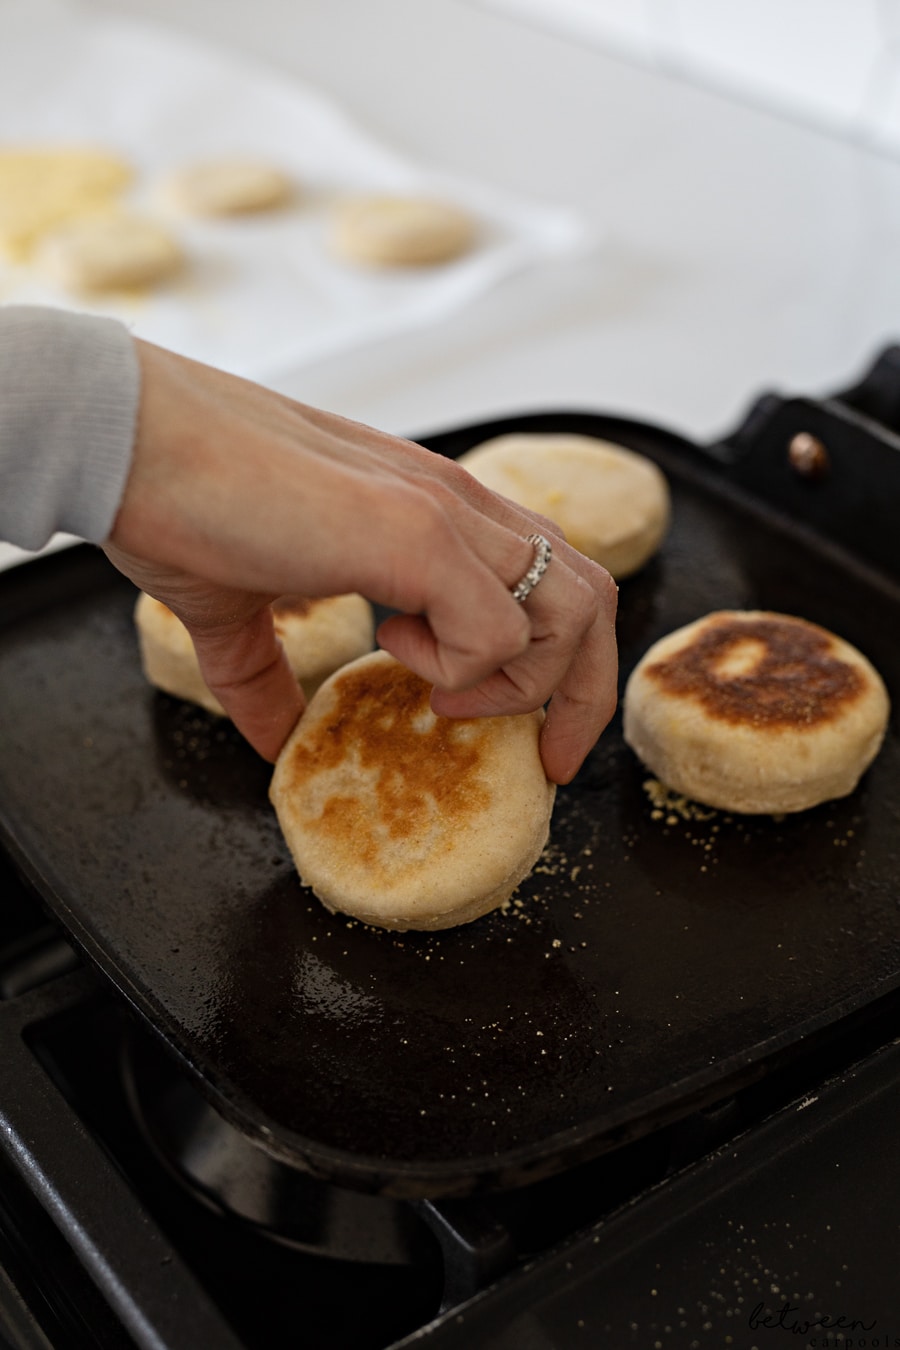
(404, 819)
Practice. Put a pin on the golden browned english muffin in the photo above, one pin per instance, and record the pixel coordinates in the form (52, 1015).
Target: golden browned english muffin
(400, 231)
(756, 712)
(611, 503)
(318, 636)
(404, 819)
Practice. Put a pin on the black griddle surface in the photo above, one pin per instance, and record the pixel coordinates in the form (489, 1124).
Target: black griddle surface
(651, 962)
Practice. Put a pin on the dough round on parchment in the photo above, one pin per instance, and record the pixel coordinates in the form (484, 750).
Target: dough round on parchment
(400, 231)
(404, 819)
(611, 503)
(227, 187)
(42, 187)
(108, 253)
(755, 712)
(319, 636)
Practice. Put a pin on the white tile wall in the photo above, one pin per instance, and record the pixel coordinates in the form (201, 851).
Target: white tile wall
(832, 62)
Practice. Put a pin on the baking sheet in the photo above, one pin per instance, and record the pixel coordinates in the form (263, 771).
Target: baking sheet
(652, 961)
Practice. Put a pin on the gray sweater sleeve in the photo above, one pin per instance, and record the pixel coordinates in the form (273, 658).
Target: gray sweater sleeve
(69, 388)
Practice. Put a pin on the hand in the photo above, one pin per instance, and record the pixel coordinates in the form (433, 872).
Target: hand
(237, 495)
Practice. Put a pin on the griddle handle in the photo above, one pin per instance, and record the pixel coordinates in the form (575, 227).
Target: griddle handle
(477, 1249)
(877, 394)
(853, 504)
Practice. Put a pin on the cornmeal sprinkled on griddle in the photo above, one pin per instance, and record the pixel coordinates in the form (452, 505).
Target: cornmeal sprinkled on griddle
(672, 806)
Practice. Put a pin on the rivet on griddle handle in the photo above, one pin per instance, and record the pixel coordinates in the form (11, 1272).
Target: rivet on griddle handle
(807, 455)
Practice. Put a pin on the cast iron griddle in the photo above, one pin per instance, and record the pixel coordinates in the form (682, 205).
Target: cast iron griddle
(651, 962)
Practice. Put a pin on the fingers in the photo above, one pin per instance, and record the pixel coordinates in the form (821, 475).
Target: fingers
(583, 702)
(457, 623)
(570, 658)
(245, 666)
(567, 650)
(241, 658)
(570, 661)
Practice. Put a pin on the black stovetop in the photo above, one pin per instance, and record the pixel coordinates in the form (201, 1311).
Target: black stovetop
(773, 1210)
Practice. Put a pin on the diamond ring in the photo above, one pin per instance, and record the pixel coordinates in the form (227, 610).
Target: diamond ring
(542, 555)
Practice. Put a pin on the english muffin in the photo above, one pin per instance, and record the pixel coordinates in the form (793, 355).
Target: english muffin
(318, 636)
(108, 253)
(45, 186)
(402, 818)
(400, 231)
(611, 503)
(228, 187)
(756, 712)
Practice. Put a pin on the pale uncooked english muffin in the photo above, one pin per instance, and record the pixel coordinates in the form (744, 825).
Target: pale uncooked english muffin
(227, 187)
(400, 231)
(404, 819)
(611, 503)
(756, 712)
(319, 636)
(44, 186)
(107, 253)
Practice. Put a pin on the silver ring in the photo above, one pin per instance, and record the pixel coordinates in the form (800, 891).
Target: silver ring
(542, 555)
